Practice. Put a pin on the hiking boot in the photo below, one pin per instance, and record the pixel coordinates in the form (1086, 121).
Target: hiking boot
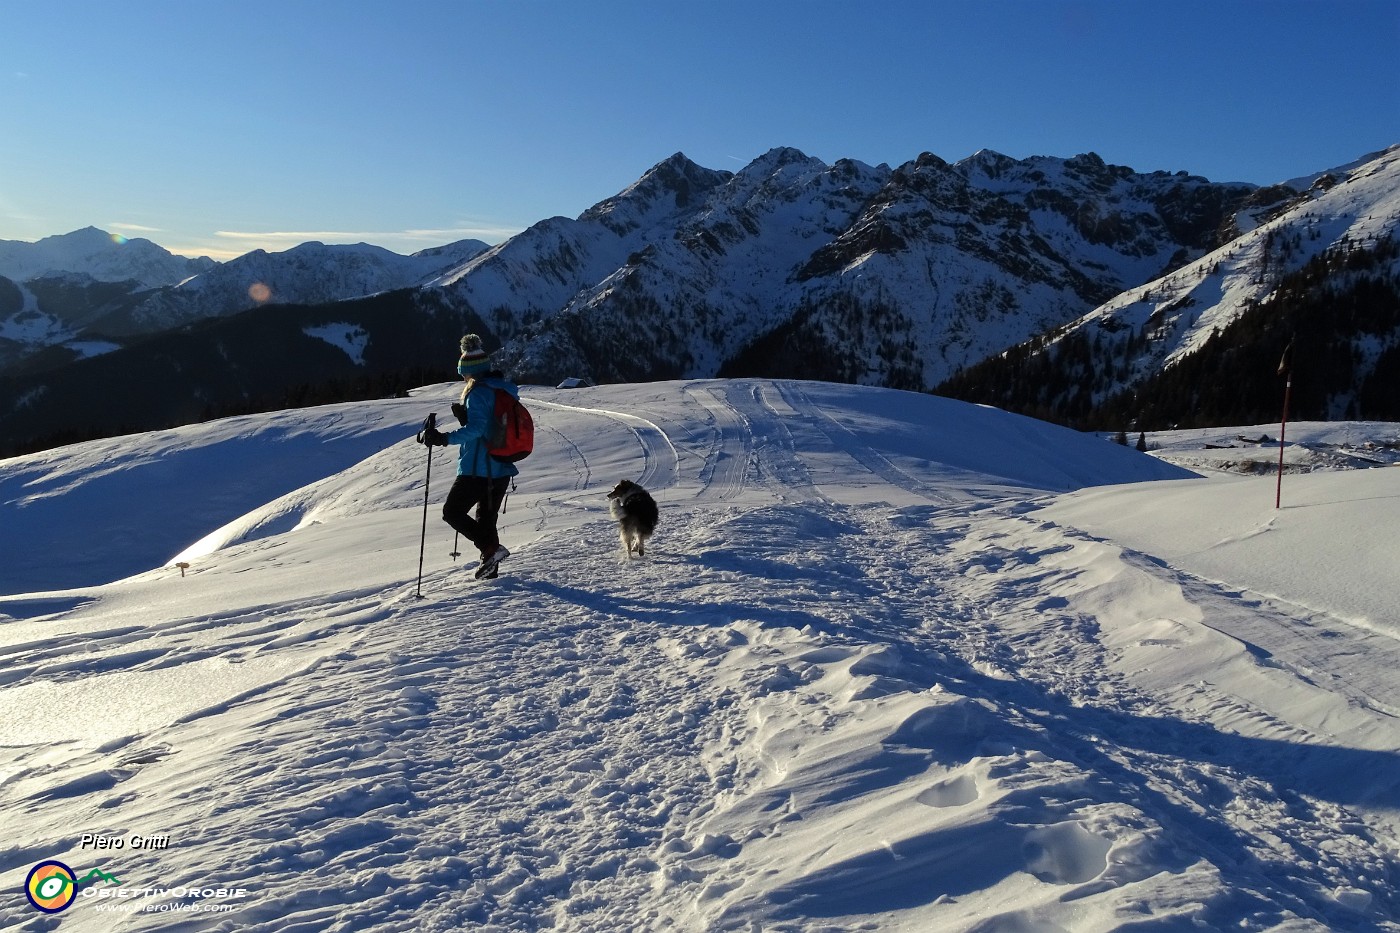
(491, 563)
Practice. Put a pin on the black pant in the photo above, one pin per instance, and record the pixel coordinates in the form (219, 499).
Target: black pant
(485, 496)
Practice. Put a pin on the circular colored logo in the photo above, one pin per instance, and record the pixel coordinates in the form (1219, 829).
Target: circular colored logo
(51, 887)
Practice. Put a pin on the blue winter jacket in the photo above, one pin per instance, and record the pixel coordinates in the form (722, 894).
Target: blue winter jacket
(472, 458)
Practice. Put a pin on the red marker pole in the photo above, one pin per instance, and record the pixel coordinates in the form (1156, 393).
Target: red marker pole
(1282, 428)
(1285, 369)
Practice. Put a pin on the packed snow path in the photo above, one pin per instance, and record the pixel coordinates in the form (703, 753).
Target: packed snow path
(872, 675)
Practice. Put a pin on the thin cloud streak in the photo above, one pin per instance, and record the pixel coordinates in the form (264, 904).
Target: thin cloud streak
(230, 244)
(435, 237)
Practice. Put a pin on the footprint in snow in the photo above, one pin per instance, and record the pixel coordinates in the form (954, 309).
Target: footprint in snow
(1065, 853)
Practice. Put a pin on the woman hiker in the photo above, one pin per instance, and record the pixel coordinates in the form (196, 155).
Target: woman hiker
(481, 479)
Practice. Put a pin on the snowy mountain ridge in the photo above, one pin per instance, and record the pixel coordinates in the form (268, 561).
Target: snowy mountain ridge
(311, 273)
(1305, 182)
(103, 256)
(1187, 305)
(1321, 265)
(912, 272)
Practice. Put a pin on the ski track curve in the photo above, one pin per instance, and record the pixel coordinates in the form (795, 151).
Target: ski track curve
(660, 459)
(583, 473)
(583, 476)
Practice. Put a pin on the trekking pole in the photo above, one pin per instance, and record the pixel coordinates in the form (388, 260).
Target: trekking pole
(429, 424)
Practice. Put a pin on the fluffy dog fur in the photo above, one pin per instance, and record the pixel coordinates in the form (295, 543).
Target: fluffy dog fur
(635, 512)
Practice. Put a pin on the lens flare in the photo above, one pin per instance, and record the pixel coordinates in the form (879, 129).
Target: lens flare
(118, 239)
(259, 292)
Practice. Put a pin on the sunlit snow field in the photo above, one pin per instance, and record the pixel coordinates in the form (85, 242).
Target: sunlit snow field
(892, 662)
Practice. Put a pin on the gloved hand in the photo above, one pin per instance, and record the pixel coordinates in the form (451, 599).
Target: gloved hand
(460, 412)
(434, 438)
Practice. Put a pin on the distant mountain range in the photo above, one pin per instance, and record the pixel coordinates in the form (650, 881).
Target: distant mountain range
(101, 256)
(1064, 288)
(89, 291)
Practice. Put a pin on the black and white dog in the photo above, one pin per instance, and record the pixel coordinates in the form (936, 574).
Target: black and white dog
(636, 515)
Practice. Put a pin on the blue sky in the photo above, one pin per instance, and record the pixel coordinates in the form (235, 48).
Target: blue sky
(217, 127)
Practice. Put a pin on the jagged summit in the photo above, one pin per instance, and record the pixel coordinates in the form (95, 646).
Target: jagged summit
(987, 161)
(778, 157)
(672, 183)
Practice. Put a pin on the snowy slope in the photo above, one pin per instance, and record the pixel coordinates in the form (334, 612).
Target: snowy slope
(1179, 312)
(892, 663)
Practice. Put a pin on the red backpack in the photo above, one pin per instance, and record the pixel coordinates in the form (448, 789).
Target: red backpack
(512, 429)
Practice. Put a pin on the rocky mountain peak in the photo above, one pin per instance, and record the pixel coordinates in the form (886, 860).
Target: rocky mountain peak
(674, 184)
